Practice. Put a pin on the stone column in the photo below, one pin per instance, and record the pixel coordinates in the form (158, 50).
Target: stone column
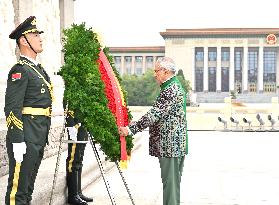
(143, 64)
(245, 70)
(205, 69)
(122, 71)
(7, 49)
(193, 83)
(154, 61)
(231, 68)
(133, 65)
(218, 70)
(25, 9)
(260, 70)
(66, 13)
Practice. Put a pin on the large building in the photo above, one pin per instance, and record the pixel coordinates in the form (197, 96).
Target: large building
(218, 61)
(136, 60)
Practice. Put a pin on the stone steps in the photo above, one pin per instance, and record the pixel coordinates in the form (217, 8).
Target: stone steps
(244, 98)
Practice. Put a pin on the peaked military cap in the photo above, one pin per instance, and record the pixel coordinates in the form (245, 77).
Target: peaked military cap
(28, 26)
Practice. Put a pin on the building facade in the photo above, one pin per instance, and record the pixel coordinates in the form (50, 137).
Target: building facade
(136, 60)
(219, 61)
(223, 60)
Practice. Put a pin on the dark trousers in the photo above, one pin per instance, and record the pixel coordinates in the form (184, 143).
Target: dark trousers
(171, 172)
(75, 157)
(22, 175)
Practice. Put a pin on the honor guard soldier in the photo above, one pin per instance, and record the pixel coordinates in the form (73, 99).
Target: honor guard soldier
(28, 103)
(76, 132)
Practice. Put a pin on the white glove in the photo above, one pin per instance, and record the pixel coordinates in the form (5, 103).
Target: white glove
(72, 133)
(19, 150)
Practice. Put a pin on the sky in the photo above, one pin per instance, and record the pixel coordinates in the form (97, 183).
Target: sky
(139, 23)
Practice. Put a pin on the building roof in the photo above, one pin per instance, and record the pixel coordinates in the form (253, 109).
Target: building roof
(218, 32)
(142, 49)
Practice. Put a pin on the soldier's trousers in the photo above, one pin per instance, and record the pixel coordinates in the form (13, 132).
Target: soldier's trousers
(171, 172)
(75, 157)
(22, 175)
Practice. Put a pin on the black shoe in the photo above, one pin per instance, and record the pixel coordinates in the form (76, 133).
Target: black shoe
(85, 198)
(76, 200)
(72, 183)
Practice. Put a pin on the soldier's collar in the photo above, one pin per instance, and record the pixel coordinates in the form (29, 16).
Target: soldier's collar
(30, 59)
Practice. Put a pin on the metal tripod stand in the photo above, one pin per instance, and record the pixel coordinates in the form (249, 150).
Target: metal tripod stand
(92, 142)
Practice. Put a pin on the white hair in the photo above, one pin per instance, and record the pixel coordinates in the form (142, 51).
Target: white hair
(166, 63)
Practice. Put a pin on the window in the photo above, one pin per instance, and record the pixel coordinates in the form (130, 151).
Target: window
(199, 69)
(199, 54)
(139, 71)
(117, 63)
(212, 79)
(270, 65)
(138, 59)
(128, 64)
(117, 59)
(252, 65)
(269, 70)
(149, 62)
(128, 59)
(238, 56)
(138, 65)
(225, 54)
(225, 77)
(129, 70)
(199, 79)
(212, 54)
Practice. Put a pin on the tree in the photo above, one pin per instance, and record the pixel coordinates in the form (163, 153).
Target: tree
(185, 83)
(143, 90)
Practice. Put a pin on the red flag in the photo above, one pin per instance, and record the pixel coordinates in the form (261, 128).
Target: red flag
(16, 76)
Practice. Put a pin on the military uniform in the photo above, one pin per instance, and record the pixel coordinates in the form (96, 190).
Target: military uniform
(74, 162)
(28, 103)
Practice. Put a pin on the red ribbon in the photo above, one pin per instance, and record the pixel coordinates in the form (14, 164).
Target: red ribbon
(113, 94)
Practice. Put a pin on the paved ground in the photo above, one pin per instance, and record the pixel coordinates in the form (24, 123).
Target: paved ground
(222, 169)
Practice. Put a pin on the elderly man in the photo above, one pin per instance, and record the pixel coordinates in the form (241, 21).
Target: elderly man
(28, 103)
(167, 128)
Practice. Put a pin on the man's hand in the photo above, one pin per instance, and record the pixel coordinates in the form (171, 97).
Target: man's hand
(72, 133)
(19, 150)
(123, 131)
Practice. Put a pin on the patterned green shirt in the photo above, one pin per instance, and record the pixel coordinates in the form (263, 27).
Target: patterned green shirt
(166, 121)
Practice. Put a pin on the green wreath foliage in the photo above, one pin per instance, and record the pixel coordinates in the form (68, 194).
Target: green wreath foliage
(84, 89)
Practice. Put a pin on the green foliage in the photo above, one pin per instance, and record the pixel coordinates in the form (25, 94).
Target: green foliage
(142, 90)
(233, 95)
(185, 83)
(84, 89)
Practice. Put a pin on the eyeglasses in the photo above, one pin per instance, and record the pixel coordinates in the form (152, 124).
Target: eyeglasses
(157, 70)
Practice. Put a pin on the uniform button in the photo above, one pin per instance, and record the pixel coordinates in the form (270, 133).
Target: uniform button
(43, 90)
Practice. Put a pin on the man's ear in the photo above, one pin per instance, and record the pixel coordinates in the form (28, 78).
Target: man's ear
(22, 41)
